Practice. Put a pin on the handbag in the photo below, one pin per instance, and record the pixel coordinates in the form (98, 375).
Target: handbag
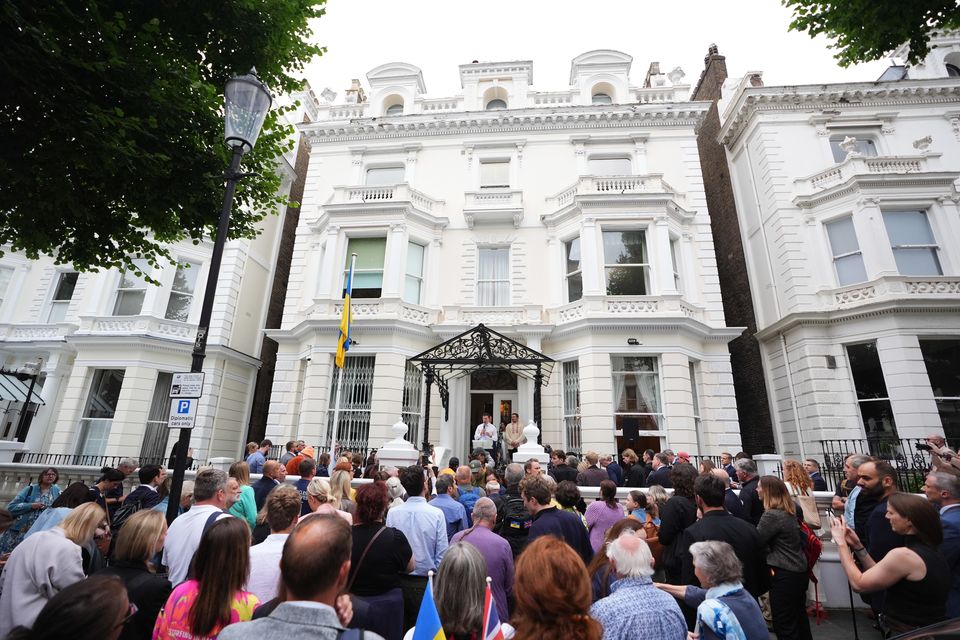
(808, 505)
(356, 568)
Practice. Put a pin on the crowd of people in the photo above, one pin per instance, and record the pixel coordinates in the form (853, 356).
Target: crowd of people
(320, 558)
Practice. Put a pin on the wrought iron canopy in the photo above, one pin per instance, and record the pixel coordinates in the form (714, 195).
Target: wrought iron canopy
(483, 348)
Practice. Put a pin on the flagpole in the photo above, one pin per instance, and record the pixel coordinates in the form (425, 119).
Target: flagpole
(336, 405)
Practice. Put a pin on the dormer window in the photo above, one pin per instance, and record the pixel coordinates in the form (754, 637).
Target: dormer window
(395, 110)
(495, 99)
(601, 98)
(496, 104)
(393, 105)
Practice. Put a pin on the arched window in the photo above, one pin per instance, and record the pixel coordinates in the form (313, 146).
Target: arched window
(601, 98)
(496, 104)
(953, 70)
(395, 110)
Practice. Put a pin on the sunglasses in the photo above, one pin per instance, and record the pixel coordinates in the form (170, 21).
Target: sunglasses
(130, 613)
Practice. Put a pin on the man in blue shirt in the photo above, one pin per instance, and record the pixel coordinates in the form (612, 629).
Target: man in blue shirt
(453, 512)
(547, 520)
(259, 457)
(943, 490)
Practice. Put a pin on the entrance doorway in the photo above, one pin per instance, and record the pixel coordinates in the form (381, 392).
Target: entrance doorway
(499, 404)
(638, 444)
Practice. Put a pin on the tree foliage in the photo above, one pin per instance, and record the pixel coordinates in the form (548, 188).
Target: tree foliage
(111, 116)
(865, 30)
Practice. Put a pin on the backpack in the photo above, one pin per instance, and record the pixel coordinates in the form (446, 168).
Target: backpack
(516, 523)
(812, 548)
(469, 498)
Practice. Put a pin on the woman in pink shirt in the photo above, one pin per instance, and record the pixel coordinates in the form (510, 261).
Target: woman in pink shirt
(603, 514)
(213, 596)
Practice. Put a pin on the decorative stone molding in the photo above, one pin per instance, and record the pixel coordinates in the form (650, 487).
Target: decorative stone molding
(851, 296)
(616, 306)
(937, 287)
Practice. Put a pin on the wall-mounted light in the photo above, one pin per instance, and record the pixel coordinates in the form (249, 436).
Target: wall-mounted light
(633, 342)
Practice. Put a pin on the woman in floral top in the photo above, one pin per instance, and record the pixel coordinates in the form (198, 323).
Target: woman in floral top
(213, 596)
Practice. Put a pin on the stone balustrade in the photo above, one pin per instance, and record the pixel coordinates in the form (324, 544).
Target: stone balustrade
(390, 193)
(889, 288)
(856, 164)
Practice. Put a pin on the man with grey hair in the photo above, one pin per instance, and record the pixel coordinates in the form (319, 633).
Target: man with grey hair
(635, 609)
(114, 497)
(943, 491)
(210, 499)
(731, 501)
(752, 504)
(494, 549)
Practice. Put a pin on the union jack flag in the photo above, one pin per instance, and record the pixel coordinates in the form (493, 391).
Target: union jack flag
(491, 621)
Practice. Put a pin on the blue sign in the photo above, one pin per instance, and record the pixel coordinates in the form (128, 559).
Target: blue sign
(183, 406)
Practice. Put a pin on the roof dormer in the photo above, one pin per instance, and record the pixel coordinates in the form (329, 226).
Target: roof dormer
(601, 76)
(394, 88)
(496, 85)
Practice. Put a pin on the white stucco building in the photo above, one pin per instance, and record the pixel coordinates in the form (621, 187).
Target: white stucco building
(572, 221)
(110, 341)
(847, 197)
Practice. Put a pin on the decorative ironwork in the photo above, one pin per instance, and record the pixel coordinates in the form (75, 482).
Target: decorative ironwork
(911, 464)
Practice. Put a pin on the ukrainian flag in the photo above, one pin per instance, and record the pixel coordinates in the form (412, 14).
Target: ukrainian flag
(428, 620)
(343, 342)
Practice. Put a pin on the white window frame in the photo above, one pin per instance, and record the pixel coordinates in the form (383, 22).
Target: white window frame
(396, 168)
(861, 136)
(56, 304)
(497, 292)
(836, 257)
(495, 184)
(5, 289)
(599, 158)
(933, 247)
(695, 397)
(139, 284)
(356, 402)
(675, 264)
(645, 266)
(413, 277)
(569, 275)
(195, 268)
(658, 416)
(411, 411)
(96, 430)
(359, 270)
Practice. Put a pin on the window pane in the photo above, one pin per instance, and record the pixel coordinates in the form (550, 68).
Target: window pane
(921, 261)
(66, 283)
(908, 227)
(129, 303)
(866, 370)
(367, 280)
(495, 174)
(130, 280)
(58, 312)
(385, 175)
(610, 167)
(624, 247)
(185, 279)
(414, 259)
(850, 269)
(863, 146)
(843, 237)
(104, 393)
(370, 252)
(941, 358)
(178, 307)
(574, 287)
(878, 419)
(626, 281)
(572, 251)
(601, 98)
(411, 290)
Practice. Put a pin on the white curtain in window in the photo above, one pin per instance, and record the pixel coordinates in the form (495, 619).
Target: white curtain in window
(493, 277)
(495, 173)
(610, 167)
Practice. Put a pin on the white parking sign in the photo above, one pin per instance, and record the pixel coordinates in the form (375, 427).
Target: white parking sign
(183, 412)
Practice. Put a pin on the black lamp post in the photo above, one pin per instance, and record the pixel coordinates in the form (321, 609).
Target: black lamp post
(247, 102)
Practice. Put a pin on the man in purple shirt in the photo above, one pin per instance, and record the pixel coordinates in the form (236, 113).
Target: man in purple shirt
(494, 549)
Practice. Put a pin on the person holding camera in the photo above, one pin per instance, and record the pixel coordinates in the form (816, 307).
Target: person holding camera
(942, 458)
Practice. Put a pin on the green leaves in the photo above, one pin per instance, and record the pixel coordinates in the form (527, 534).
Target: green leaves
(865, 30)
(113, 125)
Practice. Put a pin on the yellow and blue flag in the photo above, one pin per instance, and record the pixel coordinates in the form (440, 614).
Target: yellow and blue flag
(343, 342)
(428, 620)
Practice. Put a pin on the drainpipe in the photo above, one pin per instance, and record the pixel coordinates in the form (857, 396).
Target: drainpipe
(793, 397)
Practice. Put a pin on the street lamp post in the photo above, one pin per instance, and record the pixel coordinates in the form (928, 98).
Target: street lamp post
(30, 370)
(247, 101)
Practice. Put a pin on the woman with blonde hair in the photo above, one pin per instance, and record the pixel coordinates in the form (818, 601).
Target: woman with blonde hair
(552, 592)
(246, 507)
(320, 499)
(340, 490)
(657, 496)
(796, 479)
(44, 564)
(137, 544)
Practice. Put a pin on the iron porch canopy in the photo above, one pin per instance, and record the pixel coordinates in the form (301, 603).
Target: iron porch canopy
(473, 350)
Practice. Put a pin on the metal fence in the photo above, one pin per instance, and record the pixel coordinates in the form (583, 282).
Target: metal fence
(80, 460)
(911, 464)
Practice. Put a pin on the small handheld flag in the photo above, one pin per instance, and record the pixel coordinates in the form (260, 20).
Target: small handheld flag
(343, 342)
(428, 620)
(491, 621)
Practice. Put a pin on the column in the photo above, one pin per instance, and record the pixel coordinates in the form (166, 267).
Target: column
(394, 262)
(908, 386)
(43, 424)
(596, 402)
(328, 277)
(658, 245)
(677, 397)
(878, 257)
(386, 402)
(640, 154)
(65, 435)
(591, 252)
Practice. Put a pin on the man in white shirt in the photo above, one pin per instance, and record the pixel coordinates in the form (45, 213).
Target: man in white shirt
(211, 498)
(283, 511)
(486, 430)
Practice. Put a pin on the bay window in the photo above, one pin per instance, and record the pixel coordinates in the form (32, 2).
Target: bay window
(368, 274)
(573, 269)
(914, 247)
(626, 263)
(847, 259)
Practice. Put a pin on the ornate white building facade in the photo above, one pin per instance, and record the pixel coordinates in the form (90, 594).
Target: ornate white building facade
(572, 221)
(847, 197)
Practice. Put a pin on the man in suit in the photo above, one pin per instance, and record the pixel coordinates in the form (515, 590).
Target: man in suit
(943, 490)
(661, 472)
(315, 568)
(273, 474)
(747, 475)
(593, 475)
(561, 470)
(812, 467)
(726, 463)
(614, 470)
(717, 524)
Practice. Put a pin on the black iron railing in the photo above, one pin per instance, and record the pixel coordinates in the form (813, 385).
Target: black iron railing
(79, 460)
(910, 463)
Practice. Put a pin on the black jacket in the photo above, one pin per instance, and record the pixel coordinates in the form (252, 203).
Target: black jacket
(148, 497)
(819, 484)
(660, 476)
(261, 488)
(752, 505)
(636, 475)
(677, 513)
(147, 591)
(566, 527)
(723, 527)
(563, 472)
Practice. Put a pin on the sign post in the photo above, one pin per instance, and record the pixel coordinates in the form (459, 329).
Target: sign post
(185, 392)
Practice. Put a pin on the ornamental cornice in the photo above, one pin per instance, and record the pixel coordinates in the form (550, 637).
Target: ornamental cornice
(878, 184)
(677, 114)
(753, 100)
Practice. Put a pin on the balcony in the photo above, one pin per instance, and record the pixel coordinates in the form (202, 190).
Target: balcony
(493, 316)
(647, 307)
(876, 171)
(493, 206)
(388, 309)
(36, 332)
(390, 194)
(649, 189)
(137, 326)
(936, 289)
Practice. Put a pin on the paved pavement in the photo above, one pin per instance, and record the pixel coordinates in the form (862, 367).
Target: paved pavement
(839, 626)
